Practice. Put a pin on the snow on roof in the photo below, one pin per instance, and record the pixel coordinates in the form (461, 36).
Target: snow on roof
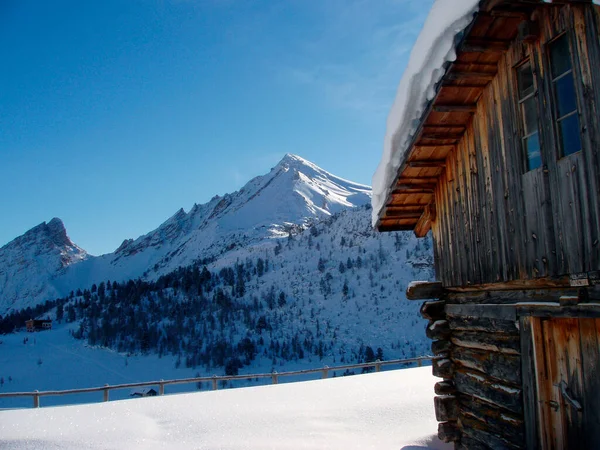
(434, 47)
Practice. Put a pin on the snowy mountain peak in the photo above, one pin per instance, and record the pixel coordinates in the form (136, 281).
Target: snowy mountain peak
(291, 160)
(45, 235)
(30, 263)
(293, 195)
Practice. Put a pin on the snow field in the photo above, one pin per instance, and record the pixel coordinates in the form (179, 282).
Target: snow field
(387, 410)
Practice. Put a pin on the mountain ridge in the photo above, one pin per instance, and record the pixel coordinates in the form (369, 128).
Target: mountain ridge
(291, 196)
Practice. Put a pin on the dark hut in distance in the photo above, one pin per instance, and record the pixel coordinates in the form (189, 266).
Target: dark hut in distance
(504, 169)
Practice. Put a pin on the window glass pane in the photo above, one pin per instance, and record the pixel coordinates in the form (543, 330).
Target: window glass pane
(560, 56)
(570, 134)
(530, 115)
(525, 80)
(532, 147)
(565, 95)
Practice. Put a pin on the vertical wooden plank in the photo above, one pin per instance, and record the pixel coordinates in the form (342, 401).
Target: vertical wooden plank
(570, 207)
(534, 199)
(514, 206)
(442, 229)
(590, 351)
(551, 26)
(497, 189)
(446, 231)
(485, 204)
(587, 58)
(463, 204)
(568, 341)
(556, 420)
(530, 398)
(541, 232)
(474, 211)
(452, 240)
(461, 195)
(543, 375)
(436, 231)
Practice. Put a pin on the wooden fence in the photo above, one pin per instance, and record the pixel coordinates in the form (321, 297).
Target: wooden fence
(214, 379)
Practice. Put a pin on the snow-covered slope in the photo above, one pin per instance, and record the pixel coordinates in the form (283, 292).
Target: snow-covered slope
(306, 282)
(30, 264)
(323, 295)
(293, 194)
(388, 410)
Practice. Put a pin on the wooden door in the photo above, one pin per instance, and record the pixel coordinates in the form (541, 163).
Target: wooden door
(567, 359)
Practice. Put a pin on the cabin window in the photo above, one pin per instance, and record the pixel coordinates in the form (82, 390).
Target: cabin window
(565, 99)
(529, 115)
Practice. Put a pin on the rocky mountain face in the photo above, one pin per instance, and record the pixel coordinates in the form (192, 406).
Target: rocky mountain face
(30, 263)
(44, 264)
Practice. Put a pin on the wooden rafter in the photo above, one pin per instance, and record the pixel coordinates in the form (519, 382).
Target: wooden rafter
(403, 214)
(432, 163)
(469, 75)
(415, 181)
(458, 108)
(484, 45)
(451, 146)
(383, 227)
(413, 189)
(455, 84)
(396, 209)
(441, 136)
(424, 223)
(441, 128)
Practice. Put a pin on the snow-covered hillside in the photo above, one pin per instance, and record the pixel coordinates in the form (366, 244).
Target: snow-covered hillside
(293, 194)
(323, 296)
(388, 410)
(286, 273)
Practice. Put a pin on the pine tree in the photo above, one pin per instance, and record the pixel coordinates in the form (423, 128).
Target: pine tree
(321, 265)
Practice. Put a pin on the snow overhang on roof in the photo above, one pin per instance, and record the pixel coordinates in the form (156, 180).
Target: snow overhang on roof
(453, 58)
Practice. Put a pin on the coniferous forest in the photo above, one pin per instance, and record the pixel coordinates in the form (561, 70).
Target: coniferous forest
(322, 294)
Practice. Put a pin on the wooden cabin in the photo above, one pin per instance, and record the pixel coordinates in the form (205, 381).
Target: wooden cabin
(38, 325)
(143, 392)
(504, 169)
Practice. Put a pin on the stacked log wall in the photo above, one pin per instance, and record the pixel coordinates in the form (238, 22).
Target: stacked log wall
(480, 400)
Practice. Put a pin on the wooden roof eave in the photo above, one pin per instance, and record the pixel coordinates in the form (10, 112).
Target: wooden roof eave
(417, 134)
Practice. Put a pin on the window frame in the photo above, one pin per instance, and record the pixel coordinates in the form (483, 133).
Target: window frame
(552, 80)
(523, 135)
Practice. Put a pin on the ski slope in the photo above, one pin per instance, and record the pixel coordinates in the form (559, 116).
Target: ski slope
(387, 410)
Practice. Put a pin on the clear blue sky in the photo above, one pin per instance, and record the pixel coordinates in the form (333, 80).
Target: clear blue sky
(114, 114)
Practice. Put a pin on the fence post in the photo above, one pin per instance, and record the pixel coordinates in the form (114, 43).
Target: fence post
(274, 377)
(161, 387)
(325, 372)
(106, 392)
(378, 366)
(214, 381)
(420, 363)
(36, 399)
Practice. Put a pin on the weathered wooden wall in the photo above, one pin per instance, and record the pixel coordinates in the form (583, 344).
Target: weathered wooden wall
(495, 222)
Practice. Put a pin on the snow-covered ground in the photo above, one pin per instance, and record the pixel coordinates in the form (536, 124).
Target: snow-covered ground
(53, 360)
(388, 410)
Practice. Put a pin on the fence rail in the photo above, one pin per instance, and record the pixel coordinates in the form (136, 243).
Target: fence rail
(214, 379)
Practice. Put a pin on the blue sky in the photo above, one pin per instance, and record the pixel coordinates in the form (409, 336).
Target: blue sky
(114, 114)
